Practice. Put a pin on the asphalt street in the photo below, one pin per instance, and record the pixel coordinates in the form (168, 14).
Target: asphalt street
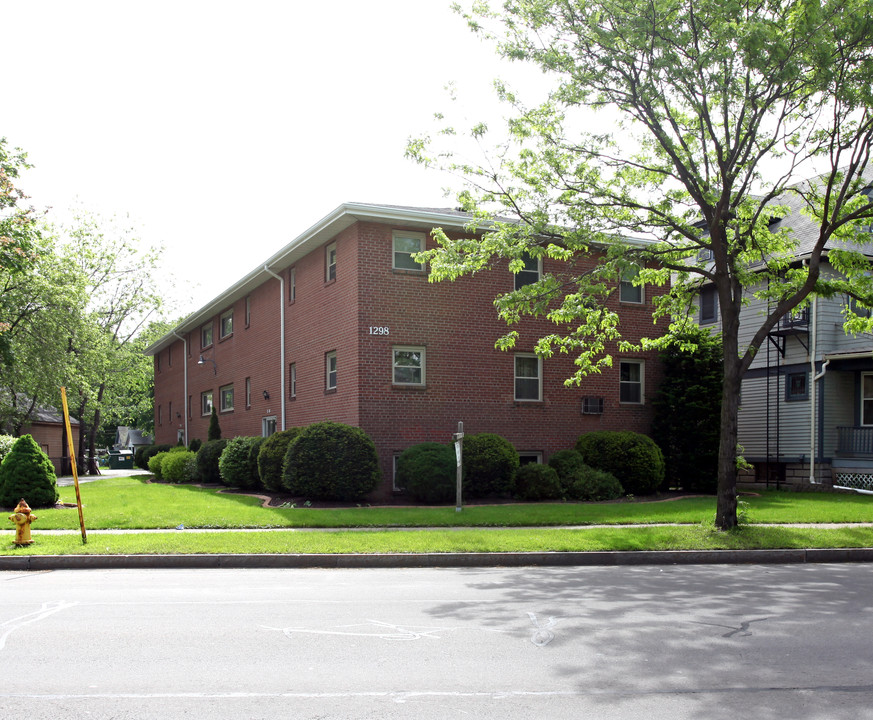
(716, 642)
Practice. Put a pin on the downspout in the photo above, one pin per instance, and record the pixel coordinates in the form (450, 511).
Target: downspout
(281, 339)
(815, 379)
(184, 384)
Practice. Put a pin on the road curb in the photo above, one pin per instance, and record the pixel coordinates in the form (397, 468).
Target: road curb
(439, 560)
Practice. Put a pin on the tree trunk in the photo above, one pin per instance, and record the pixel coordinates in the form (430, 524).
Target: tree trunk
(726, 503)
(92, 434)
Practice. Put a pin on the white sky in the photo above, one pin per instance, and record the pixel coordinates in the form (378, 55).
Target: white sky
(226, 129)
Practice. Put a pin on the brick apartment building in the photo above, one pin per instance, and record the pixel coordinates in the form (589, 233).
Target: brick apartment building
(341, 324)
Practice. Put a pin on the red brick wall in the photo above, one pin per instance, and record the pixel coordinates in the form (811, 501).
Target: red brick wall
(467, 379)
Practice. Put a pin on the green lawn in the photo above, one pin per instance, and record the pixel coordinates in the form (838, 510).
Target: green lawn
(132, 503)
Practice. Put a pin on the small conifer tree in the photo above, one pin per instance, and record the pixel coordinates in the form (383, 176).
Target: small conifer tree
(214, 432)
(27, 473)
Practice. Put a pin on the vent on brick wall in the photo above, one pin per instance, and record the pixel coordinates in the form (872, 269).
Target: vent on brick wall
(592, 406)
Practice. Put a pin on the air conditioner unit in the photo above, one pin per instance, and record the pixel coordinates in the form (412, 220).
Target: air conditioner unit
(592, 406)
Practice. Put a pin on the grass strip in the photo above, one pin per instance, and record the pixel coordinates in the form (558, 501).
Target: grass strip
(695, 537)
(132, 503)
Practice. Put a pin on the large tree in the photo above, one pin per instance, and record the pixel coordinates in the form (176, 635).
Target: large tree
(688, 123)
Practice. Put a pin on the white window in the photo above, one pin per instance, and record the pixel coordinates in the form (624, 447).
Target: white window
(406, 244)
(408, 366)
(226, 323)
(206, 335)
(330, 371)
(530, 273)
(248, 392)
(292, 380)
(627, 291)
(330, 262)
(630, 384)
(268, 426)
(528, 379)
(708, 305)
(206, 403)
(292, 285)
(248, 310)
(225, 395)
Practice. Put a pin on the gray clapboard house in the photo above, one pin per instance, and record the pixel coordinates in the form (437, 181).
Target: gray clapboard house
(806, 414)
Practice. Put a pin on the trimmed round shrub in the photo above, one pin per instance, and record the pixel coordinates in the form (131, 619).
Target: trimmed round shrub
(6, 443)
(566, 463)
(633, 458)
(156, 463)
(428, 472)
(143, 454)
(271, 458)
(207, 461)
(331, 461)
(535, 481)
(195, 445)
(590, 484)
(27, 472)
(179, 467)
(490, 462)
(254, 452)
(234, 463)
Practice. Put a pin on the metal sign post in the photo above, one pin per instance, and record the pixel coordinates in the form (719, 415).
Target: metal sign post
(458, 437)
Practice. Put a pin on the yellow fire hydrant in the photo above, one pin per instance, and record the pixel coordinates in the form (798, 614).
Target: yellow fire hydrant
(22, 517)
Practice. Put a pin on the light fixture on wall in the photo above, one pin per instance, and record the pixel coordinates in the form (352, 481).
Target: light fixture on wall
(266, 395)
(179, 415)
(203, 361)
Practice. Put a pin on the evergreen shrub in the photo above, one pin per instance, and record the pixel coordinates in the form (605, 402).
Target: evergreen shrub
(207, 461)
(567, 463)
(156, 464)
(214, 431)
(271, 458)
(145, 453)
(535, 481)
(688, 410)
(490, 462)
(633, 458)
(27, 472)
(233, 465)
(331, 461)
(195, 445)
(179, 467)
(590, 484)
(428, 472)
(254, 452)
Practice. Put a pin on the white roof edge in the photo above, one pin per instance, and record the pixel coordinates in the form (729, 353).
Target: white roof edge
(332, 223)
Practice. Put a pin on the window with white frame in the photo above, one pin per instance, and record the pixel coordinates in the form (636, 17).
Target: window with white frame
(408, 365)
(330, 370)
(405, 245)
(206, 403)
(530, 273)
(330, 262)
(628, 292)
(292, 380)
(248, 392)
(268, 426)
(225, 397)
(528, 377)
(248, 310)
(206, 335)
(225, 323)
(630, 383)
(292, 285)
(708, 305)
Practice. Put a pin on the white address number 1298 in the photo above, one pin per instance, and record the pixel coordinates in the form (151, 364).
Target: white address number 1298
(378, 330)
